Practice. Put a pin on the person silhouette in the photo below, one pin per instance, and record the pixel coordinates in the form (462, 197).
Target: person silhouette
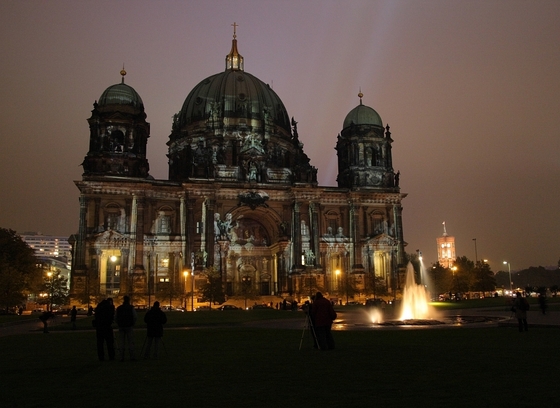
(154, 318)
(521, 306)
(44, 318)
(126, 319)
(323, 315)
(73, 314)
(104, 314)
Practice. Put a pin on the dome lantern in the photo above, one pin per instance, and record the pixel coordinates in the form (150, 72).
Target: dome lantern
(234, 60)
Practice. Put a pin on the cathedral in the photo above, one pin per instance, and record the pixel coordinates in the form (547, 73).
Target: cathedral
(241, 201)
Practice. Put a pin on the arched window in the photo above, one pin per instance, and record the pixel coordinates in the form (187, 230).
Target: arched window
(112, 212)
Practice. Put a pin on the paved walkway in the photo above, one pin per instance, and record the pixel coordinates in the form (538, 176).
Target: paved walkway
(31, 326)
(356, 319)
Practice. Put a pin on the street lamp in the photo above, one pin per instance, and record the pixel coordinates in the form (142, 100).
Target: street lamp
(454, 283)
(192, 281)
(50, 275)
(510, 282)
(185, 274)
(371, 269)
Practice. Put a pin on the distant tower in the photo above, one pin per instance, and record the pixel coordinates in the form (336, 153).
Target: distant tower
(446, 249)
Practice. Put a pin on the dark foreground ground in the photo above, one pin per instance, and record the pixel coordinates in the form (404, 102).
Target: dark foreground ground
(243, 360)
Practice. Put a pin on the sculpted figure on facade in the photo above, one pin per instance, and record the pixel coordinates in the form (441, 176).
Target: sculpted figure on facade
(340, 235)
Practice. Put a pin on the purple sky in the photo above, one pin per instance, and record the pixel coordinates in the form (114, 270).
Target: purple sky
(471, 90)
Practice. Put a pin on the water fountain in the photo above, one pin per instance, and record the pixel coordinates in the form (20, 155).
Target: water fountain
(416, 311)
(415, 298)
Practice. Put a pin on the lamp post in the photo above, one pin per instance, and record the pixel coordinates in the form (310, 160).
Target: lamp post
(510, 282)
(192, 281)
(87, 289)
(453, 284)
(50, 275)
(185, 274)
(371, 270)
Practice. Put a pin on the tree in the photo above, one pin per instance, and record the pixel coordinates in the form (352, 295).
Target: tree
(440, 279)
(484, 280)
(56, 287)
(17, 268)
(464, 274)
(213, 289)
(89, 288)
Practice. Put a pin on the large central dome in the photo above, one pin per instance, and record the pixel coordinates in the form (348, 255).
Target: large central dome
(233, 94)
(233, 127)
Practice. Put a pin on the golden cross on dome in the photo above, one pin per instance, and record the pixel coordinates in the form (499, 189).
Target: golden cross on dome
(234, 25)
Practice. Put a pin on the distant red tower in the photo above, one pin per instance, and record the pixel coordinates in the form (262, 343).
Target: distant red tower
(446, 249)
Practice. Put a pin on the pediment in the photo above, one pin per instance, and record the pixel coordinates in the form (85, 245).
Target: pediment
(382, 240)
(110, 239)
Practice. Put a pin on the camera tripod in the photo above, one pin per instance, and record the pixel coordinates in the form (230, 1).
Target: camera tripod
(308, 326)
(160, 340)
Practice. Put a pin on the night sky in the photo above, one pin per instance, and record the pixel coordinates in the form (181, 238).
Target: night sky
(471, 90)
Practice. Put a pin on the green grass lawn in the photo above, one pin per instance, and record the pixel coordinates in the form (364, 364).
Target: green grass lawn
(219, 363)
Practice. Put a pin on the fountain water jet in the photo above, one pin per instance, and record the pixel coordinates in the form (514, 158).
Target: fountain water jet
(415, 298)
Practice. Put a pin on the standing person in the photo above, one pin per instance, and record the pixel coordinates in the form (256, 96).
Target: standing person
(542, 302)
(154, 319)
(521, 306)
(73, 314)
(126, 319)
(45, 316)
(323, 315)
(103, 320)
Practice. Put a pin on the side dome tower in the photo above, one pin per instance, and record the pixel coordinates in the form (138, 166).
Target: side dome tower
(364, 151)
(233, 127)
(118, 134)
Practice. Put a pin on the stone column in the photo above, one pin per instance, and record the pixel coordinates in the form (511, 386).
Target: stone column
(397, 213)
(137, 245)
(80, 251)
(357, 266)
(314, 216)
(190, 227)
(209, 231)
(183, 226)
(296, 238)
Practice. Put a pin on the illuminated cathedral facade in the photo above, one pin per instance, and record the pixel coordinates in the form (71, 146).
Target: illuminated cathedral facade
(241, 200)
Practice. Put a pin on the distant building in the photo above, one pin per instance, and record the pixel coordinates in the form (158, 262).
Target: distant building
(54, 253)
(241, 197)
(48, 245)
(446, 249)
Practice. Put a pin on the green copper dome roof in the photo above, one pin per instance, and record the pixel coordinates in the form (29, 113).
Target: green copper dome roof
(121, 94)
(362, 115)
(239, 94)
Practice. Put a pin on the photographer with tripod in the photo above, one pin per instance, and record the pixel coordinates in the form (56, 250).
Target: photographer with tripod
(323, 315)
